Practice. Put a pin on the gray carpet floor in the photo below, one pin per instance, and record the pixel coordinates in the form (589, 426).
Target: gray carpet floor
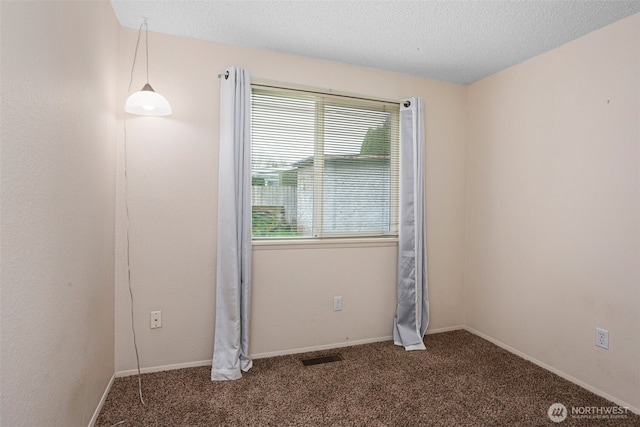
(461, 380)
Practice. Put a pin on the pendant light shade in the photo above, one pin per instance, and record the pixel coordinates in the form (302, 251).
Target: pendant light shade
(147, 102)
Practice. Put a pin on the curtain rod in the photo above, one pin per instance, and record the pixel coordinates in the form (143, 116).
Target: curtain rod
(318, 91)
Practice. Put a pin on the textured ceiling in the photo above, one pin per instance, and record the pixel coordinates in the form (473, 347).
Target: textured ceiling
(455, 41)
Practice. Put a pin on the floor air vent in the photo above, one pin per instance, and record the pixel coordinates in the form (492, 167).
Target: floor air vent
(324, 359)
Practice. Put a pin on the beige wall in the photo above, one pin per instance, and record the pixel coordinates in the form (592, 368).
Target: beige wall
(59, 68)
(173, 165)
(553, 230)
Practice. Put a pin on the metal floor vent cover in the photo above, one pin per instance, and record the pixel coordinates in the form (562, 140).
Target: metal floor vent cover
(324, 359)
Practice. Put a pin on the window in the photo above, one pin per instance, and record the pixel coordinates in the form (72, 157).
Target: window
(323, 165)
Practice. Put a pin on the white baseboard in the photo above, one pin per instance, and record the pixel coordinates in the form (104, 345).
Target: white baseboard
(96, 413)
(343, 344)
(264, 355)
(319, 347)
(555, 371)
(447, 329)
(130, 372)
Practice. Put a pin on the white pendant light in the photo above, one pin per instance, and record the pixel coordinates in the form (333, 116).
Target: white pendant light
(146, 102)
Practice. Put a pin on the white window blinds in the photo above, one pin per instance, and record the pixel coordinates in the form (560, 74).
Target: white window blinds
(323, 165)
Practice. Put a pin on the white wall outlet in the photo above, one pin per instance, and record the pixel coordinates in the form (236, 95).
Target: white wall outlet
(602, 338)
(156, 319)
(337, 303)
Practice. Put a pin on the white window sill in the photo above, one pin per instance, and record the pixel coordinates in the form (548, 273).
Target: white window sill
(357, 242)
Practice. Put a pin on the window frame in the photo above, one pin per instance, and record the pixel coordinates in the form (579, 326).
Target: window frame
(317, 235)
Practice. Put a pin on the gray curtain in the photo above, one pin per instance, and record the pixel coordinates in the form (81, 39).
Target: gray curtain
(233, 279)
(412, 313)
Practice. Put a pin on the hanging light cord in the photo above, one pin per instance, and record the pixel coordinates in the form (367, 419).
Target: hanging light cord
(126, 204)
(135, 54)
(146, 45)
